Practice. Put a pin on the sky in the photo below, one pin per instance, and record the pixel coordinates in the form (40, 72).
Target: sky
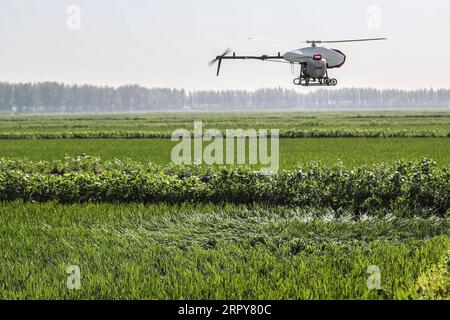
(167, 43)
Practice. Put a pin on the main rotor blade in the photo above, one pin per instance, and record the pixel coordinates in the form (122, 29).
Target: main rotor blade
(319, 41)
(352, 40)
(275, 40)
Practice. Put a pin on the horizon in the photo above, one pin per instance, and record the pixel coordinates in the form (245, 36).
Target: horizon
(308, 90)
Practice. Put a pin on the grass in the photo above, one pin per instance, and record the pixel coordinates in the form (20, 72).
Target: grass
(226, 251)
(215, 252)
(352, 152)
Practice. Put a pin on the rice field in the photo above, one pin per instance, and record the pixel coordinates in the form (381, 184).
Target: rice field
(367, 219)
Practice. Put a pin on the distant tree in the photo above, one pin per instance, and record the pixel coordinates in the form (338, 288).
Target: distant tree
(56, 97)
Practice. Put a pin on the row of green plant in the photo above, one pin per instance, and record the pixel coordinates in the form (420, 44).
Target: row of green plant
(314, 133)
(408, 185)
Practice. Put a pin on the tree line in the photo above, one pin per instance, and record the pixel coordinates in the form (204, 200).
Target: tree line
(56, 97)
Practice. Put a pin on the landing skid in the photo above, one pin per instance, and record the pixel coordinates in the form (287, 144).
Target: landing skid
(306, 81)
(311, 82)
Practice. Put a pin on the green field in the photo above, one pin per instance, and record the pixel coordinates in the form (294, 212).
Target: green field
(155, 231)
(163, 122)
(186, 252)
(351, 151)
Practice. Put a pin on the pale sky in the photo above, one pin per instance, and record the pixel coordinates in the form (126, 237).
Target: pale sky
(167, 43)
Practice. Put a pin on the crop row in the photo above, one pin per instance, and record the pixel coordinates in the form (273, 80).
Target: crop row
(317, 133)
(411, 186)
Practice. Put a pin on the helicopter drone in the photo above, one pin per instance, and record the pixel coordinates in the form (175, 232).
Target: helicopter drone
(314, 61)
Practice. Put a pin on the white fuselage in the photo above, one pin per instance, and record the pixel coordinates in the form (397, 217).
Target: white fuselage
(334, 58)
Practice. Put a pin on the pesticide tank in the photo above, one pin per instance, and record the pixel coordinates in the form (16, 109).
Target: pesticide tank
(316, 68)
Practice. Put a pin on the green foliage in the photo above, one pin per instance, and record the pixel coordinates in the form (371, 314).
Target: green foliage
(435, 283)
(292, 133)
(409, 185)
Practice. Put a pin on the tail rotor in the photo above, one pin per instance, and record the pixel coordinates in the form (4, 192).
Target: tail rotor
(219, 60)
